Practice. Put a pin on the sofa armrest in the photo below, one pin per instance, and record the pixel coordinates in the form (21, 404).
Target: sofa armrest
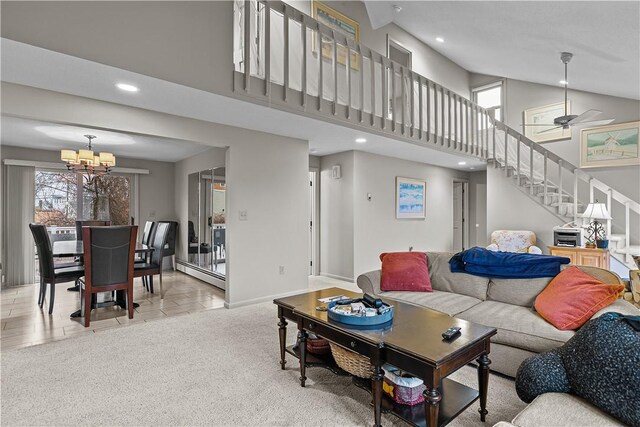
(619, 306)
(370, 282)
(533, 249)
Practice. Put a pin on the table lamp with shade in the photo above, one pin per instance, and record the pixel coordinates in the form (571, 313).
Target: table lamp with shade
(596, 233)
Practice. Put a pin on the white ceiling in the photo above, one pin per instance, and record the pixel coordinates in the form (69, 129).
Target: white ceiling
(32, 66)
(523, 39)
(21, 132)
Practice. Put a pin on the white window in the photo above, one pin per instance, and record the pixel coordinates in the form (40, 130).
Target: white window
(490, 97)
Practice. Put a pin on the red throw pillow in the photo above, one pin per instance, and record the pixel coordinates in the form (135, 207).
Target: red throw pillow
(405, 271)
(572, 297)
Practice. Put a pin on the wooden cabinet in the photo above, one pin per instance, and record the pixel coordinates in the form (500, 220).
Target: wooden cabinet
(583, 256)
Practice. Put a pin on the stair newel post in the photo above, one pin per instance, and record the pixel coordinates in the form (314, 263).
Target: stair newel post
(544, 179)
(560, 186)
(420, 106)
(575, 196)
(335, 72)
(506, 152)
(320, 67)
(627, 256)
(247, 44)
(303, 100)
(531, 169)
(609, 194)
(518, 160)
(495, 159)
(267, 50)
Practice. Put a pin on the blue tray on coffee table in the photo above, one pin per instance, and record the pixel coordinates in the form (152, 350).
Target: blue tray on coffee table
(364, 321)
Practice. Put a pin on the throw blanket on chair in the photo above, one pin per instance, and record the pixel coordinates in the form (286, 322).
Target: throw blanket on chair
(482, 262)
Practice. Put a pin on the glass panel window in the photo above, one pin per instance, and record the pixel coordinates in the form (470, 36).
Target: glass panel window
(56, 195)
(490, 98)
(106, 198)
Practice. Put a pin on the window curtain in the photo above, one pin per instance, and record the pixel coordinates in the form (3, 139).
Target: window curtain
(19, 247)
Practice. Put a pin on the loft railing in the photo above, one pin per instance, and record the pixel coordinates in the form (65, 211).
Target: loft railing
(296, 62)
(286, 59)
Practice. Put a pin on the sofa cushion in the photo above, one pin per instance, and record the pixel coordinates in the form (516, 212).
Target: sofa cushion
(442, 279)
(517, 326)
(521, 292)
(552, 409)
(444, 302)
(405, 271)
(573, 297)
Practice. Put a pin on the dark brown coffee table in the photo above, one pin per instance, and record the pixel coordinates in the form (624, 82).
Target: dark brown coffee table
(412, 343)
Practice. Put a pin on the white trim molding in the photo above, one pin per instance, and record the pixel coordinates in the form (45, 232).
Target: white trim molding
(61, 166)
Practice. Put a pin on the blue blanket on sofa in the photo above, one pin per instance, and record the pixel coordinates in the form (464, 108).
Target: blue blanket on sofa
(483, 262)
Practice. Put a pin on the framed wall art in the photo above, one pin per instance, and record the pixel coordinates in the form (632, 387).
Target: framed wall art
(410, 198)
(339, 22)
(539, 123)
(612, 145)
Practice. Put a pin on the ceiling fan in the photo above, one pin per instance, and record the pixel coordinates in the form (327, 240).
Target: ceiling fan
(567, 119)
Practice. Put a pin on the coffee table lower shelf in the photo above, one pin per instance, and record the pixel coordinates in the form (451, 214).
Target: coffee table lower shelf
(456, 397)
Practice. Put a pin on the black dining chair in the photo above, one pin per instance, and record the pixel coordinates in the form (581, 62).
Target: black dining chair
(147, 235)
(170, 249)
(108, 261)
(154, 266)
(49, 274)
(89, 223)
(219, 235)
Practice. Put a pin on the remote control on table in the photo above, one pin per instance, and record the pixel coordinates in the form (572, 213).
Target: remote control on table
(450, 333)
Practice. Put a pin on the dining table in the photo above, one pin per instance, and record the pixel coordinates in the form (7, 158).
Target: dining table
(75, 248)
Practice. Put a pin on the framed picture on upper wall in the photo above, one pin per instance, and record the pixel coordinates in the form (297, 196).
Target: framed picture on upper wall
(410, 198)
(538, 123)
(612, 145)
(338, 22)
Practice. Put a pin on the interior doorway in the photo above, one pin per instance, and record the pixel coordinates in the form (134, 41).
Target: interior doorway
(460, 215)
(313, 228)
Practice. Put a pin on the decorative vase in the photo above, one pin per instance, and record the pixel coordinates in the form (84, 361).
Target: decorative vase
(602, 243)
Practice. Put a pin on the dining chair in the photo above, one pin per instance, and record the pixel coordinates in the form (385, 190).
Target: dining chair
(147, 235)
(154, 266)
(89, 223)
(108, 262)
(49, 274)
(170, 249)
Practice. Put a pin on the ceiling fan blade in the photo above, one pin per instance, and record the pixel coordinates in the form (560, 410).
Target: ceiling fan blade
(587, 116)
(549, 130)
(594, 123)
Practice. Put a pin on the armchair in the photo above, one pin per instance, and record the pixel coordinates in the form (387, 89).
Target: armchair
(514, 241)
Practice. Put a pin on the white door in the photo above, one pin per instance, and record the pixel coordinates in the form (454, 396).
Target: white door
(458, 216)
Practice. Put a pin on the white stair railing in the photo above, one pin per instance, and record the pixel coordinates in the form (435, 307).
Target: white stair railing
(288, 60)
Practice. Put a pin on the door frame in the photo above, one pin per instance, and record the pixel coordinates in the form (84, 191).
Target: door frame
(465, 209)
(314, 182)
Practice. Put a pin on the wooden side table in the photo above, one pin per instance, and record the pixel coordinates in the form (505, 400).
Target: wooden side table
(583, 256)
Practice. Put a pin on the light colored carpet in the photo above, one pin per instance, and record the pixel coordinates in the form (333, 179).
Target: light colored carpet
(218, 367)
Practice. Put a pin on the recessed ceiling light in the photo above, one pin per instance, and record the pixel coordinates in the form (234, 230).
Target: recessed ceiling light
(440, 39)
(397, 8)
(127, 87)
(313, 151)
(564, 82)
(472, 168)
(462, 163)
(361, 140)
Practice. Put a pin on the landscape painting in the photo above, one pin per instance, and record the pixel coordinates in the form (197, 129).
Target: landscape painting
(410, 198)
(614, 145)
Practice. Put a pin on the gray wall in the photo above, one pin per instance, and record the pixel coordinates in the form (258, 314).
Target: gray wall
(478, 209)
(183, 42)
(336, 216)
(267, 175)
(426, 61)
(355, 231)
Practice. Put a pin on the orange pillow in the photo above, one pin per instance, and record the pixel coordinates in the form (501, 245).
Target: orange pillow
(405, 271)
(572, 297)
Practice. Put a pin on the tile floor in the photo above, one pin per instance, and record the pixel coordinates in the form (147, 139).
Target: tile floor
(25, 324)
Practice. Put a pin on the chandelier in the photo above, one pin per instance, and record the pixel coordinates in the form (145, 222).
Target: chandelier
(87, 162)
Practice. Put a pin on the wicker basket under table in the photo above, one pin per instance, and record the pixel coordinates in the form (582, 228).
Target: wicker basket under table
(351, 362)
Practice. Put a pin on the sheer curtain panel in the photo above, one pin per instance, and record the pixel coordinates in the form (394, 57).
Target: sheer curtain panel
(19, 249)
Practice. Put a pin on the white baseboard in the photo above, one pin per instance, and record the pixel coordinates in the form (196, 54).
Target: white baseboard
(335, 276)
(264, 299)
(207, 278)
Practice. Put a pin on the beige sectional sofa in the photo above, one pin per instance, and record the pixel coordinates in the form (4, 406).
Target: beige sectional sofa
(505, 304)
